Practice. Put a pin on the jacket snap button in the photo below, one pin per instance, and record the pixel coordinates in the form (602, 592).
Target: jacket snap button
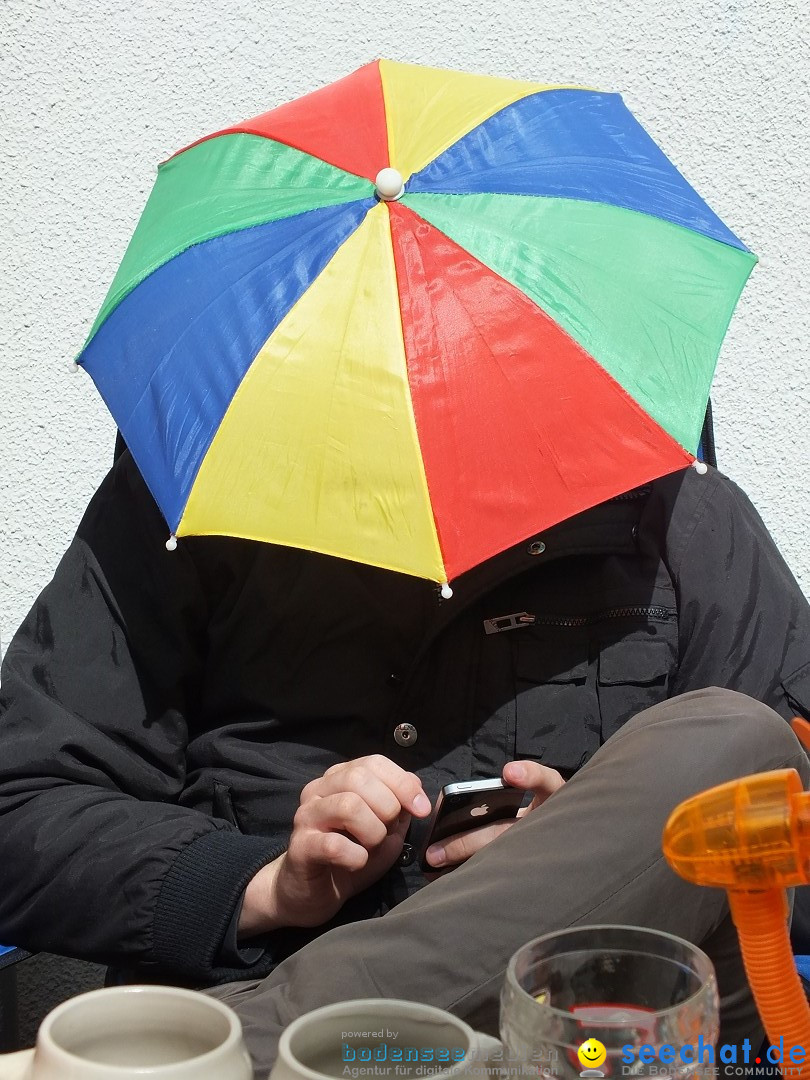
(406, 856)
(537, 547)
(405, 735)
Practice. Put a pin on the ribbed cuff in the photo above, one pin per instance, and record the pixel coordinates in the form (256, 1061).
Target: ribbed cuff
(199, 896)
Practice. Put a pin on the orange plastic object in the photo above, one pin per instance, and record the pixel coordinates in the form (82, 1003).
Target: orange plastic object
(752, 837)
(801, 730)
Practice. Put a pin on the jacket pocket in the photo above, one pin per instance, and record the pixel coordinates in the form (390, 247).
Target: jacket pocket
(633, 676)
(797, 689)
(222, 804)
(557, 714)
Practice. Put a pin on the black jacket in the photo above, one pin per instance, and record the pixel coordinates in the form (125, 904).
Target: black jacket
(160, 712)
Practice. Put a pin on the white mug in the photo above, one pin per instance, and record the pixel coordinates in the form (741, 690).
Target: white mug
(381, 1037)
(135, 1033)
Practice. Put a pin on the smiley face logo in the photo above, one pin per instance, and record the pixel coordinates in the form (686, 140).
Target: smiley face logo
(591, 1054)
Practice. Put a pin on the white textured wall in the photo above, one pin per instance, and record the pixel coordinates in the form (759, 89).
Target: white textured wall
(96, 92)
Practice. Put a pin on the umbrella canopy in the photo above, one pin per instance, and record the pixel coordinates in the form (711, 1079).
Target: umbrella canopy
(414, 318)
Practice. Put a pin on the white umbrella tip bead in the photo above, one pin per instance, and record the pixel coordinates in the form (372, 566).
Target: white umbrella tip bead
(700, 467)
(447, 592)
(389, 185)
(171, 543)
(73, 367)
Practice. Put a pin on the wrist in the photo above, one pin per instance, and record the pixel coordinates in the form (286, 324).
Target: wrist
(260, 910)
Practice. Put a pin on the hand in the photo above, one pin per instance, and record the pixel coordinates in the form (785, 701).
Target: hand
(526, 775)
(348, 830)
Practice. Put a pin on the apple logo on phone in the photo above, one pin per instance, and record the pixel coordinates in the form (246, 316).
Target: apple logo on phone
(479, 811)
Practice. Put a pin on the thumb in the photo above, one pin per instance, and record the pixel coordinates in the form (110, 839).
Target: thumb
(532, 776)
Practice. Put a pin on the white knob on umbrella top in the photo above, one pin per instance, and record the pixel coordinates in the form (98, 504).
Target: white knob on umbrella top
(389, 185)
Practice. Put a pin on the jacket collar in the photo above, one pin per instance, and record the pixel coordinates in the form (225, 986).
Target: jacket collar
(610, 528)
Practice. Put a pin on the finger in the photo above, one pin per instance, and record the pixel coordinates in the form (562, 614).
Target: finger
(532, 776)
(405, 786)
(456, 849)
(311, 848)
(400, 826)
(538, 800)
(377, 795)
(344, 812)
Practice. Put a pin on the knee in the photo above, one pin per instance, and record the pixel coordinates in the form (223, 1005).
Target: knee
(762, 731)
(696, 741)
(747, 731)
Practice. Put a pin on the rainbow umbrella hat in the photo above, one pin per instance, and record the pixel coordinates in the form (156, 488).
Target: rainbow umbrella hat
(414, 318)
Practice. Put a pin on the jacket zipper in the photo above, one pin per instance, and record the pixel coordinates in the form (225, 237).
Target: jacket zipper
(599, 616)
(636, 493)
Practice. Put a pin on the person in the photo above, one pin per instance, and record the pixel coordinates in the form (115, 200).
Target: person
(217, 763)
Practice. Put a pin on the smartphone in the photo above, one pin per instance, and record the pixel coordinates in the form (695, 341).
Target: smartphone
(468, 805)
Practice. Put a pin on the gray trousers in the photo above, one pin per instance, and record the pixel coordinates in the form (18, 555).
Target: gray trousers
(591, 854)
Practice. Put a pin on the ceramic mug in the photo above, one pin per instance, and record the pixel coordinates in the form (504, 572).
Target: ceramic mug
(381, 1037)
(143, 1032)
